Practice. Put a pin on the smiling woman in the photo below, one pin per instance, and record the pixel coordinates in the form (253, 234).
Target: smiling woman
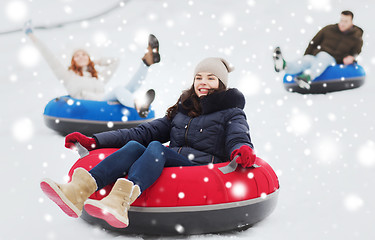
(82, 80)
(210, 76)
(207, 125)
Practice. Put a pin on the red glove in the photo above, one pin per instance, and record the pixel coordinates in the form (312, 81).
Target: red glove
(87, 142)
(246, 156)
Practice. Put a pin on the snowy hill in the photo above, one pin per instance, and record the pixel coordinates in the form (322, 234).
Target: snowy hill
(321, 146)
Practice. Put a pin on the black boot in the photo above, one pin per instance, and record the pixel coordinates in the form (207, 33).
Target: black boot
(278, 60)
(152, 56)
(144, 109)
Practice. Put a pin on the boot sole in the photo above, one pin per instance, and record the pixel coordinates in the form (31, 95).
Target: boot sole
(153, 42)
(54, 193)
(302, 84)
(150, 97)
(275, 59)
(155, 57)
(276, 56)
(98, 210)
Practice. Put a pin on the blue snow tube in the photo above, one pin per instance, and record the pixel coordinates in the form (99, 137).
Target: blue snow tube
(335, 78)
(66, 115)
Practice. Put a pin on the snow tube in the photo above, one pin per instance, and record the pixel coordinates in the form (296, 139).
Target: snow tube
(194, 200)
(66, 115)
(335, 78)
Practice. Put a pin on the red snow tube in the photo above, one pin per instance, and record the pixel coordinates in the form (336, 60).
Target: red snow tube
(195, 200)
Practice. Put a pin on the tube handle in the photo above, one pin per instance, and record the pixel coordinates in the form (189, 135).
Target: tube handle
(231, 167)
(82, 151)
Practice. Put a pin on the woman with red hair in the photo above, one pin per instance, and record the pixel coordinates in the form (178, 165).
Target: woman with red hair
(83, 81)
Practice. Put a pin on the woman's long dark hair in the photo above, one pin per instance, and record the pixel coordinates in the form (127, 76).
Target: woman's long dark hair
(194, 108)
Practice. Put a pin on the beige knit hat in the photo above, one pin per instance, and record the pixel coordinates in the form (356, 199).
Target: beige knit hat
(218, 66)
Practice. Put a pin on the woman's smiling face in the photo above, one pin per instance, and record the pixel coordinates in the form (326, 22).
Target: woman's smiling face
(81, 58)
(205, 81)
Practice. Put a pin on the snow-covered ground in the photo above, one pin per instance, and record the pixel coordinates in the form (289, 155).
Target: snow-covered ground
(321, 146)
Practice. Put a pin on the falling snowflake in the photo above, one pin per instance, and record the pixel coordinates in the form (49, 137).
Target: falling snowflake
(48, 218)
(100, 38)
(332, 117)
(268, 147)
(250, 84)
(16, 11)
(125, 112)
(191, 156)
(85, 24)
(251, 3)
(366, 154)
(28, 56)
(228, 20)
(141, 37)
(320, 5)
(110, 124)
(307, 152)
(13, 78)
(66, 178)
(23, 129)
(309, 19)
(299, 123)
(68, 10)
(102, 192)
(70, 102)
(326, 150)
(239, 190)
(179, 228)
(181, 195)
(353, 202)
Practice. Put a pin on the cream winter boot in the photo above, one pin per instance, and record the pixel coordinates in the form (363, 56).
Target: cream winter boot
(135, 194)
(114, 207)
(71, 196)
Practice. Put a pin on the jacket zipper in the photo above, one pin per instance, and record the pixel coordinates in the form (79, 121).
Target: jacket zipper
(186, 131)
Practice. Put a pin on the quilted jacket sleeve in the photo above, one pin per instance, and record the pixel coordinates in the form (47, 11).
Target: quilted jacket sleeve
(156, 130)
(237, 131)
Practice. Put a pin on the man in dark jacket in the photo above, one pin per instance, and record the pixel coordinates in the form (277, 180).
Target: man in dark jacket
(334, 44)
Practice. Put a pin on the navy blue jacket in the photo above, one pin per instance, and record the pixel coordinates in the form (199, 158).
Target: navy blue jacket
(208, 138)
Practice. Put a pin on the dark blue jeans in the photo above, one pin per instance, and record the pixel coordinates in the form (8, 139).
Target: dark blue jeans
(142, 165)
